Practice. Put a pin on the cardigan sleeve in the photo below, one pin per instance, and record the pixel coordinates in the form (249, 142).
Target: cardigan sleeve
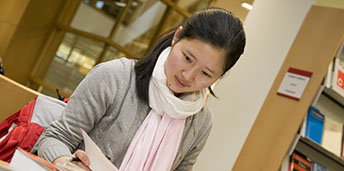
(86, 107)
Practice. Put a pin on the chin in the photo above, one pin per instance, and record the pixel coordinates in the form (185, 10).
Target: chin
(178, 91)
(181, 91)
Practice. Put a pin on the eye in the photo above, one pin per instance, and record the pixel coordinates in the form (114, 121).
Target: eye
(206, 74)
(187, 58)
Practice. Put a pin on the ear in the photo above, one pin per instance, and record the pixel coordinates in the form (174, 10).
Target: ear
(176, 35)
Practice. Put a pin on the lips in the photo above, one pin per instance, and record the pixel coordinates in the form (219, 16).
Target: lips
(181, 83)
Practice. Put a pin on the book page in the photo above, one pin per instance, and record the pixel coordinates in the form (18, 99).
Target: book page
(98, 160)
(22, 162)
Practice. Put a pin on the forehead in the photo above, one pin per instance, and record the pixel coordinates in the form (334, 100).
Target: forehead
(206, 54)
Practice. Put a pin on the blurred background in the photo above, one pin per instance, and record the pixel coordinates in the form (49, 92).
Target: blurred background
(49, 44)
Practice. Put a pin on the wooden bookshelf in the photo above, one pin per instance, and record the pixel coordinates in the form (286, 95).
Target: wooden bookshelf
(335, 97)
(279, 118)
(317, 153)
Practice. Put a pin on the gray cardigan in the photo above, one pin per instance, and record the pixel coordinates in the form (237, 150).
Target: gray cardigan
(106, 106)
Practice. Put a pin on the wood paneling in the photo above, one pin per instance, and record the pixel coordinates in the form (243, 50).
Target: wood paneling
(54, 39)
(177, 8)
(279, 118)
(12, 11)
(30, 36)
(9, 19)
(6, 33)
(235, 7)
(13, 96)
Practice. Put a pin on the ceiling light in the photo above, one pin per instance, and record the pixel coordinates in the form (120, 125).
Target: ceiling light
(120, 4)
(99, 4)
(246, 5)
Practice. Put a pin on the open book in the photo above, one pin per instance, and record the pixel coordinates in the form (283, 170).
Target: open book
(25, 161)
(97, 159)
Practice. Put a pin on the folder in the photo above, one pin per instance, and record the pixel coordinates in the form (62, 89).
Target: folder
(314, 124)
(316, 166)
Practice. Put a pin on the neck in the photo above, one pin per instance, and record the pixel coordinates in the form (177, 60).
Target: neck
(177, 94)
(181, 94)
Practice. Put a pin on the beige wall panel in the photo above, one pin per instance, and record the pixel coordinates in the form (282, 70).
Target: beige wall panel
(30, 36)
(235, 7)
(279, 118)
(6, 32)
(54, 39)
(10, 15)
(13, 96)
(11, 11)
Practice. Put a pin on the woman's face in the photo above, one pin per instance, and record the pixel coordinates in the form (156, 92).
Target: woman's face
(192, 65)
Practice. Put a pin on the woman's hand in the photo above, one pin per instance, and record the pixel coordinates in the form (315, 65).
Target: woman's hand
(83, 163)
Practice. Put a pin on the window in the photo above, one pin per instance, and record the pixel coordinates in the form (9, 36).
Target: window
(102, 30)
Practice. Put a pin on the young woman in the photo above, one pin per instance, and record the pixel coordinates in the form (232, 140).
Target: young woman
(149, 114)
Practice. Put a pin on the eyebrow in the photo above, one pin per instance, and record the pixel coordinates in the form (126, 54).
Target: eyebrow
(190, 53)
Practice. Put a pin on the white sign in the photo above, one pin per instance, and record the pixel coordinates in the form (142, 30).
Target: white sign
(294, 83)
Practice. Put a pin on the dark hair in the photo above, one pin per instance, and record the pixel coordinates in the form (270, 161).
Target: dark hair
(215, 26)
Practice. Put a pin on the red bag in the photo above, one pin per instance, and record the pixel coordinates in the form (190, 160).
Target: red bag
(24, 135)
(29, 125)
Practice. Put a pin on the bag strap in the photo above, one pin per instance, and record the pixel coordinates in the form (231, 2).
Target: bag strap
(26, 112)
(21, 117)
(7, 123)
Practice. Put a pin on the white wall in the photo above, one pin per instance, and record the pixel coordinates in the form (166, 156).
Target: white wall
(270, 28)
(91, 20)
(150, 18)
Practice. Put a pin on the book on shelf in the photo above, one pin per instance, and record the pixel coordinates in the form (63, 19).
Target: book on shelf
(316, 166)
(332, 136)
(314, 124)
(338, 76)
(342, 152)
(299, 162)
(329, 75)
(285, 163)
(336, 72)
(332, 77)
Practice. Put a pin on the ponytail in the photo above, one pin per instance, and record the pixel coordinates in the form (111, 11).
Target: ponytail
(144, 67)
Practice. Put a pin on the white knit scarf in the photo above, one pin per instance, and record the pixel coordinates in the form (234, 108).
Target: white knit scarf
(156, 143)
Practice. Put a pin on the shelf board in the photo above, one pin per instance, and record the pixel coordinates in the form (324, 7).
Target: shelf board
(334, 96)
(317, 148)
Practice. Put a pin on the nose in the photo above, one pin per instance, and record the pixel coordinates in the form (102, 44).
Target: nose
(189, 74)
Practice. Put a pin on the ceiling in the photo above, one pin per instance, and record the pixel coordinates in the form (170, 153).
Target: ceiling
(235, 7)
(238, 10)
